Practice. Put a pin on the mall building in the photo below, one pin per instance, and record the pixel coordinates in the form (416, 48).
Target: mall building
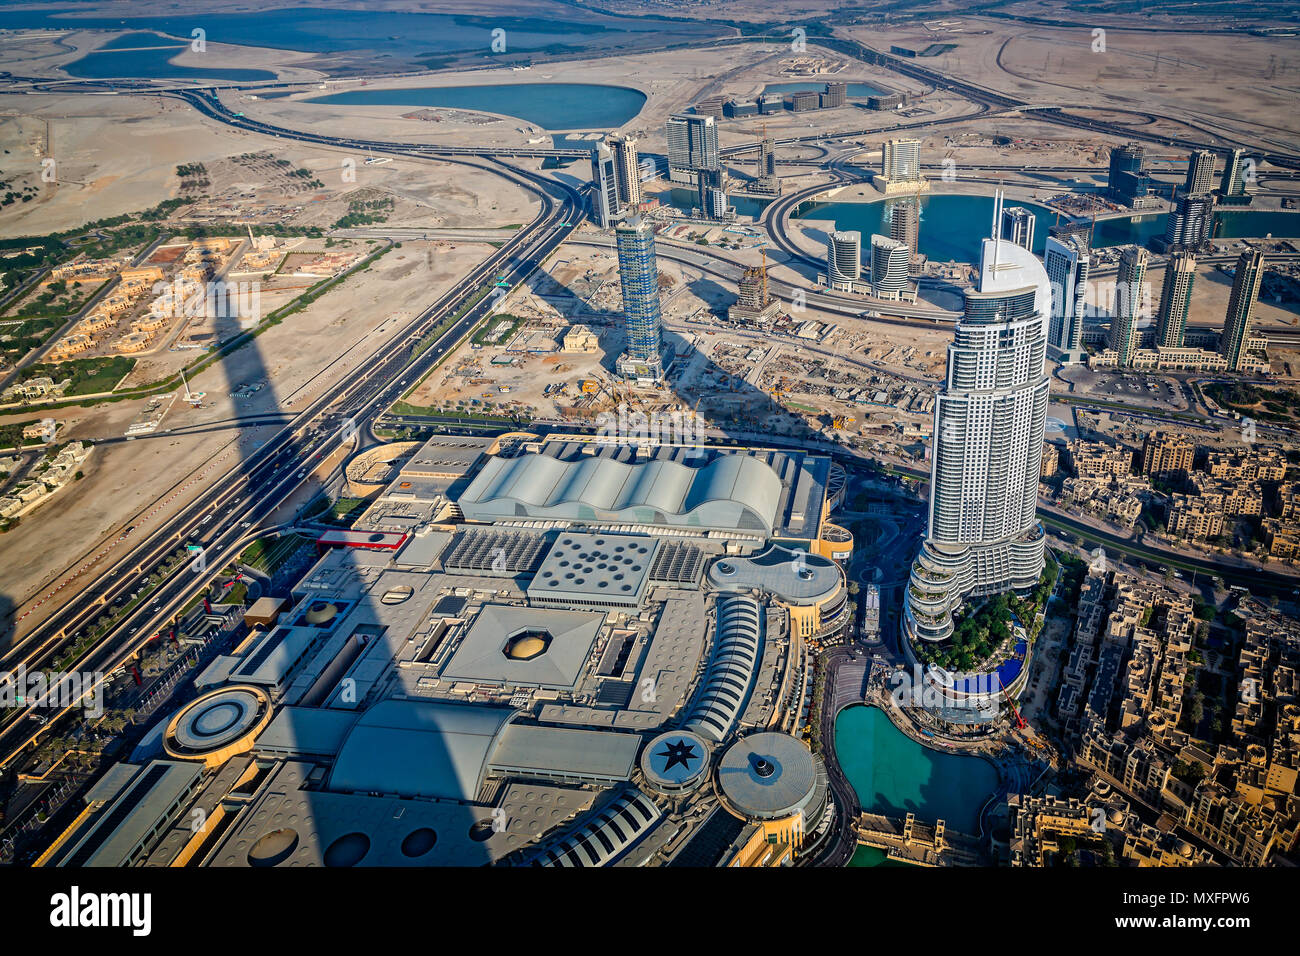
(527, 651)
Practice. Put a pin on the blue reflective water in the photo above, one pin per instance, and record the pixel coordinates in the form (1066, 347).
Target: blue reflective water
(953, 226)
(319, 30)
(684, 199)
(147, 56)
(856, 91)
(548, 105)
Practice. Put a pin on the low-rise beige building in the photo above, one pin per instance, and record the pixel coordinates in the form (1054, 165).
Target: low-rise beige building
(1165, 454)
(1196, 517)
(579, 338)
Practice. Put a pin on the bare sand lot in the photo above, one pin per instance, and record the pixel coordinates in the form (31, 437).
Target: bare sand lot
(1239, 85)
(115, 155)
(281, 368)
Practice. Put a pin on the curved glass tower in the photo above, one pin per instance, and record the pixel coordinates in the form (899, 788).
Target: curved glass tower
(984, 536)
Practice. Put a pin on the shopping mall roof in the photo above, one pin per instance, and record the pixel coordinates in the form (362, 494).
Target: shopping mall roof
(118, 834)
(669, 485)
(418, 748)
(600, 569)
(768, 775)
(792, 576)
(565, 754)
(372, 540)
(728, 493)
(525, 647)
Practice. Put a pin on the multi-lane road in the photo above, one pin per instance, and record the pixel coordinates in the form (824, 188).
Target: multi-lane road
(225, 517)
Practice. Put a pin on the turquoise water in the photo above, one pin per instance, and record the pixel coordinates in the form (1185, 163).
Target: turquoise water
(870, 856)
(147, 56)
(317, 30)
(548, 105)
(893, 774)
(683, 198)
(952, 226)
(856, 91)
(1241, 225)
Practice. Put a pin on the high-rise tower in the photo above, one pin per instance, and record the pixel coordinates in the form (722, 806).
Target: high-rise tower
(766, 180)
(1191, 221)
(627, 170)
(1200, 172)
(1068, 262)
(905, 221)
(844, 260)
(1241, 308)
(1175, 298)
(1233, 182)
(900, 166)
(617, 177)
(692, 146)
(1127, 183)
(604, 199)
(638, 272)
(983, 535)
(1128, 304)
(889, 262)
(1018, 226)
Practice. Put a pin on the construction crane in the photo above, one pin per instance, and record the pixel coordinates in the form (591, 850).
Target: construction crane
(193, 398)
(1020, 721)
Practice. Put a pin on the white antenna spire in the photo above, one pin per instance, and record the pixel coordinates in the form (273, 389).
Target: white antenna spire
(997, 223)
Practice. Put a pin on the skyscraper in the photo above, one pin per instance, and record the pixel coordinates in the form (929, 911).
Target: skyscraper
(638, 272)
(900, 165)
(627, 170)
(692, 146)
(905, 221)
(844, 260)
(1191, 221)
(889, 262)
(1127, 183)
(766, 180)
(617, 177)
(1175, 298)
(1233, 182)
(712, 193)
(1241, 308)
(1068, 262)
(1128, 304)
(767, 156)
(1018, 227)
(604, 199)
(983, 535)
(1200, 172)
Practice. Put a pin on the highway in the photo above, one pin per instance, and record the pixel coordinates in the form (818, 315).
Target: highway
(209, 105)
(225, 518)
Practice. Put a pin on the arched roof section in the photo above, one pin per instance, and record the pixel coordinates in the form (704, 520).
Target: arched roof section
(416, 748)
(732, 492)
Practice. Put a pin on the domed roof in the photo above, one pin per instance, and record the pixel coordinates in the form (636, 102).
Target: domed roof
(320, 613)
(525, 647)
